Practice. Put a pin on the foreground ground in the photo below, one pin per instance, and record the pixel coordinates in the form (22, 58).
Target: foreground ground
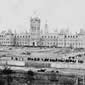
(62, 67)
(39, 78)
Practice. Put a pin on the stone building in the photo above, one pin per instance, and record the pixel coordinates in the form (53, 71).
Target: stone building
(76, 40)
(49, 39)
(36, 37)
(22, 39)
(6, 38)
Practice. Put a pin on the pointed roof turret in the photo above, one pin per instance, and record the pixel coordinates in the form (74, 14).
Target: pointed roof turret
(46, 27)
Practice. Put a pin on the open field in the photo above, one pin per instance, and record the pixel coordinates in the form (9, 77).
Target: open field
(48, 53)
(43, 52)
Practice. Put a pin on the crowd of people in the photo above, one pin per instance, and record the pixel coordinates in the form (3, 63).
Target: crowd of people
(70, 59)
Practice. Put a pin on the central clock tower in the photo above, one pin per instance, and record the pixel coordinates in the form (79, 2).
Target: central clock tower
(35, 30)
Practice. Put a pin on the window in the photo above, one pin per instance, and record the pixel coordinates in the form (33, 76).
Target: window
(16, 58)
(28, 58)
(65, 36)
(42, 36)
(54, 36)
(42, 43)
(11, 58)
(26, 36)
(76, 36)
(79, 43)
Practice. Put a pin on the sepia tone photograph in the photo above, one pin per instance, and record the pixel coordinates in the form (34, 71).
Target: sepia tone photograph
(42, 42)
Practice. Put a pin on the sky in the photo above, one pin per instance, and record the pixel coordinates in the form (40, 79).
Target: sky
(60, 14)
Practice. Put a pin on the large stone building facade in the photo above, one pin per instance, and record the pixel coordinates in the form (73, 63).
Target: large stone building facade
(37, 38)
(6, 38)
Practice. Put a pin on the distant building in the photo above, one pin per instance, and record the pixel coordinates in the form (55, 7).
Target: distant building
(36, 37)
(7, 38)
(49, 39)
(22, 39)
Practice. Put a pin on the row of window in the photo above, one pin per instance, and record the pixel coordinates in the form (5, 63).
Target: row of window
(22, 40)
(56, 37)
(6, 42)
(15, 58)
(54, 43)
(48, 36)
(1, 35)
(25, 43)
(22, 43)
(22, 36)
(4, 39)
(70, 36)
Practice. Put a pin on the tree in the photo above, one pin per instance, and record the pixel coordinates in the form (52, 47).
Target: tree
(29, 76)
(66, 81)
(30, 73)
(7, 75)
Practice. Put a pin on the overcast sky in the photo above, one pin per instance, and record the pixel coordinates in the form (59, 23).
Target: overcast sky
(15, 14)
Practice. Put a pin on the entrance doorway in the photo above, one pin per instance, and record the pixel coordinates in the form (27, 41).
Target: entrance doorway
(33, 43)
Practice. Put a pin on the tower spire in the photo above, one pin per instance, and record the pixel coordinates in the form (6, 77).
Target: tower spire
(46, 27)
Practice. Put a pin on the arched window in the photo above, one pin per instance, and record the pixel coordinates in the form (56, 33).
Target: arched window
(35, 59)
(28, 58)
(65, 36)
(38, 59)
(54, 36)
(54, 43)
(42, 36)
(76, 36)
(68, 36)
(45, 36)
(12, 58)
(16, 58)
